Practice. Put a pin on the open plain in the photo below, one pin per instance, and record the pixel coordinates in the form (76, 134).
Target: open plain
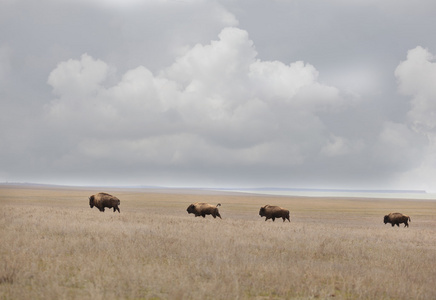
(54, 246)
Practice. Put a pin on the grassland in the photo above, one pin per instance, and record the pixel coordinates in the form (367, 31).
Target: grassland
(53, 246)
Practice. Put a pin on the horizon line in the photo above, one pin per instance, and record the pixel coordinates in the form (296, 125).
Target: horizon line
(223, 188)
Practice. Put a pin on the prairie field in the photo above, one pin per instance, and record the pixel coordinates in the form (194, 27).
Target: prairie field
(54, 246)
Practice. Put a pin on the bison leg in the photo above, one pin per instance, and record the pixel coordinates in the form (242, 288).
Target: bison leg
(273, 218)
(406, 224)
(203, 215)
(218, 214)
(101, 209)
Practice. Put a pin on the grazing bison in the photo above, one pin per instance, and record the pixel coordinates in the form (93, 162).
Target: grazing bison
(397, 219)
(273, 212)
(203, 209)
(102, 200)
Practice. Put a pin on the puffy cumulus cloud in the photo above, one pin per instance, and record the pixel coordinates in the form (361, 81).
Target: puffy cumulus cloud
(416, 78)
(217, 106)
(78, 83)
(78, 77)
(133, 105)
(229, 57)
(417, 73)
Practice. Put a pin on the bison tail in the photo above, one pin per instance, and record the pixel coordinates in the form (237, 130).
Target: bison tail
(219, 204)
(409, 219)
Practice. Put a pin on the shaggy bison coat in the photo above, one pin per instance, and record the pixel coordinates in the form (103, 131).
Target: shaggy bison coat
(273, 212)
(397, 219)
(203, 209)
(102, 200)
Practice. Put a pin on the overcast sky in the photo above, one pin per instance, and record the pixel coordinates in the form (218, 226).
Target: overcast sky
(251, 93)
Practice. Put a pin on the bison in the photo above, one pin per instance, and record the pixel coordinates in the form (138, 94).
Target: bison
(203, 209)
(273, 212)
(102, 200)
(397, 219)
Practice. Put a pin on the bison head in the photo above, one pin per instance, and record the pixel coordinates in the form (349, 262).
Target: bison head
(386, 219)
(262, 211)
(191, 209)
(91, 201)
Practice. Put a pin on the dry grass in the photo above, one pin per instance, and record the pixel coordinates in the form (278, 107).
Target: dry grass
(53, 246)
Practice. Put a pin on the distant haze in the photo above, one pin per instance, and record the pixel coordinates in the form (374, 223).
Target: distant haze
(308, 94)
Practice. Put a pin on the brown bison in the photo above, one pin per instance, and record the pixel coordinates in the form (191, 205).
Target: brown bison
(102, 200)
(203, 209)
(273, 212)
(397, 219)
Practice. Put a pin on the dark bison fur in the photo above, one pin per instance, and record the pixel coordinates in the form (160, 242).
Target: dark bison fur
(102, 200)
(273, 212)
(397, 219)
(203, 209)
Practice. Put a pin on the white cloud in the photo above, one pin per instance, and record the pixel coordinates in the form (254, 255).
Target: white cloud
(416, 78)
(217, 104)
(210, 66)
(80, 78)
(163, 89)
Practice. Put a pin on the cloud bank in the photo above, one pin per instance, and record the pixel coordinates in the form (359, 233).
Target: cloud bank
(218, 93)
(220, 110)
(217, 107)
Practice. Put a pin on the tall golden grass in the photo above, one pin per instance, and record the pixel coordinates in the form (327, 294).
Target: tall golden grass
(53, 246)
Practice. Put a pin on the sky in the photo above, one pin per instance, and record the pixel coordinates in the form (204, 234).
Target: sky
(282, 93)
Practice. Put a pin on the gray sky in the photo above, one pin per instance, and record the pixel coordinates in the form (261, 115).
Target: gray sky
(314, 94)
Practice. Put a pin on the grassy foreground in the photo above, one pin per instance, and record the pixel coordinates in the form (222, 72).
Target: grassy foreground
(53, 246)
